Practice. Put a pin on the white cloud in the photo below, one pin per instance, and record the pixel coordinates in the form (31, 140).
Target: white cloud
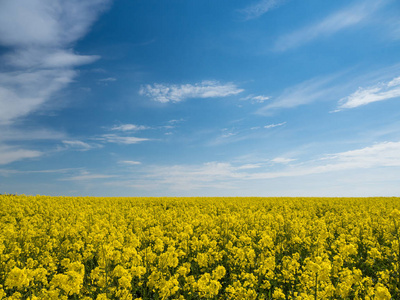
(22, 134)
(46, 58)
(304, 93)
(282, 160)
(10, 154)
(258, 9)
(7, 172)
(130, 162)
(84, 176)
(380, 92)
(229, 134)
(82, 146)
(394, 82)
(274, 125)
(224, 175)
(256, 99)
(61, 59)
(24, 92)
(340, 20)
(190, 177)
(109, 79)
(385, 154)
(46, 23)
(113, 138)
(175, 93)
(129, 127)
(249, 166)
(13, 135)
(175, 121)
(38, 35)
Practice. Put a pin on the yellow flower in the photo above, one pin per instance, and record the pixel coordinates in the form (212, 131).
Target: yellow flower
(17, 278)
(278, 294)
(382, 293)
(102, 297)
(395, 214)
(219, 272)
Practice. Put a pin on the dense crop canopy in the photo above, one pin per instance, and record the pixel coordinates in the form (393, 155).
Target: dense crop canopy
(199, 248)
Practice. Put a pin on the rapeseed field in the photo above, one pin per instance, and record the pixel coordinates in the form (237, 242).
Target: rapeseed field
(199, 248)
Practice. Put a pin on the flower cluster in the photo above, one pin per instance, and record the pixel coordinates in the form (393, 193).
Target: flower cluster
(199, 248)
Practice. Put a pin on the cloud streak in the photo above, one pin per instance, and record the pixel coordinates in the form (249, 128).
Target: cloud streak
(256, 99)
(338, 21)
(301, 94)
(117, 139)
(87, 176)
(9, 154)
(228, 175)
(274, 125)
(129, 127)
(165, 93)
(130, 162)
(256, 10)
(364, 96)
(78, 145)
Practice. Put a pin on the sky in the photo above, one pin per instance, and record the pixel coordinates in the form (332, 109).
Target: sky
(200, 97)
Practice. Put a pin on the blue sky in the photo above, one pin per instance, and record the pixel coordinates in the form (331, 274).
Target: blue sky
(200, 97)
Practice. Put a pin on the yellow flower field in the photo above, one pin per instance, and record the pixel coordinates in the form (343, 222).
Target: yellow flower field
(199, 248)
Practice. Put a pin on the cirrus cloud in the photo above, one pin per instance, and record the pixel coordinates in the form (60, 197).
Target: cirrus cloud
(117, 139)
(380, 92)
(175, 93)
(349, 16)
(39, 35)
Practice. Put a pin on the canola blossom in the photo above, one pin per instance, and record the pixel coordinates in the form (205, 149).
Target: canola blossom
(199, 248)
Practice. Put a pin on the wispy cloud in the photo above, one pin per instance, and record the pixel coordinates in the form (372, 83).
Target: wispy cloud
(191, 177)
(130, 162)
(227, 135)
(231, 176)
(256, 99)
(380, 92)
(282, 160)
(85, 176)
(14, 134)
(176, 121)
(256, 10)
(385, 154)
(78, 145)
(13, 142)
(274, 125)
(249, 166)
(175, 93)
(47, 22)
(7, 172)
(302, 94)
(10, 154)
(129, 127)
(108, 79)
(22, 92)
(340, 20)
(39, 58)
(117, 139)
(39, 35)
